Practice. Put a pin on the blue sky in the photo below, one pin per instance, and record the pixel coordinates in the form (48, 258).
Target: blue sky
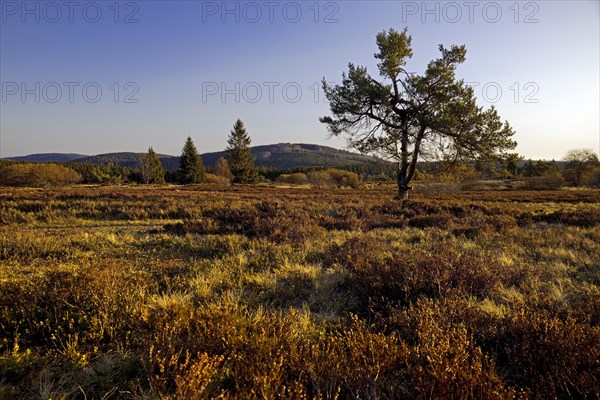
(169, 69)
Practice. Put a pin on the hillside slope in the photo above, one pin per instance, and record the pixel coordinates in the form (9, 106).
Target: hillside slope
(300, 155)
(280, 156)
(48, 157)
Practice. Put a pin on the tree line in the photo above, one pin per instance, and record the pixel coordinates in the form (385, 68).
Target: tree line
(237, 166)
(579, 167)
(427, 126)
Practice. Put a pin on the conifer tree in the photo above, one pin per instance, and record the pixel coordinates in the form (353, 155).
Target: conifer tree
(405, 116)
(191, 169)
(239, 155)
(151, 168)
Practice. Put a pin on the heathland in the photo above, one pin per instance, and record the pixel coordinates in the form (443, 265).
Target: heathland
(208, 291)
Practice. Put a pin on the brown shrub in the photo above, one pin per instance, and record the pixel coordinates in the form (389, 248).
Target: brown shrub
(271, 220)
(446, 363)
(217, 179)
(582, 218)
(38, 175)
(380, 278)
(342, 178)
(89, 307)
(540, 355)
(441, 221)
(360, 253)
(593, 179)
(345, 218)
(551, 181)
(297, 178)
(553, 358)
(357, 363)
(333, 177)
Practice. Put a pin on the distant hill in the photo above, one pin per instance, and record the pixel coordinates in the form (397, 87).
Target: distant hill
(289, 156)
(48, 157)
(279, 156)
(126, 159)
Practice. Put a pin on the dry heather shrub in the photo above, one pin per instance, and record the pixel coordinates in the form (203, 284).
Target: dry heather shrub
(360, 253)
(381, 277)
(551, 181)
(168, 319)
(196, 226)
(194, 376)
(552, 358)
(442, 362)
(85, 308)
(539, 354)
(357, 363)
(285, 224)
(435, 275)
(272, 220)
(442, 221)
(266, 355)
(349, 218)
(260, 351)
(469, 220)
(447, 364)
(581, 218)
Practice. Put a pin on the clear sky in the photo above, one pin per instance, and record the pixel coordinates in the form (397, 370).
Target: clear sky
(169, 69)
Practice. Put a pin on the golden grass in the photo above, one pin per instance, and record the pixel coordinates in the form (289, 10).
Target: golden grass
(272, 292)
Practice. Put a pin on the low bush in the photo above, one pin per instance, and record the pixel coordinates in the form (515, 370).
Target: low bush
(217, 179)
(264, 220)
(551, 357)
(402, 277)
(588, 218)
(297, 178)
(38, 175)
(342, 178)
(593, 179)
(333, 177)
(550, 181)
(320, 293)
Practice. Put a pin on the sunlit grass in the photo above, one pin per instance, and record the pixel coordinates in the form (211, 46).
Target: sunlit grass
(293, 293)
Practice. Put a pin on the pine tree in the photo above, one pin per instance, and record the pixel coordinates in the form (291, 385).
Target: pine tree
(239, 155)
(222, 169)
(191, 169)
(404, 115)
(151, 168)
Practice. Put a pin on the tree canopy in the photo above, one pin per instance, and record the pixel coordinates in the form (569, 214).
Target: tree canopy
(405, 116)
(191, 169)
(151, 168)
(239, 155)
(580, 161)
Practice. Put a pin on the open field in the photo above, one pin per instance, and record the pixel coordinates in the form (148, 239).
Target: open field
(267, 292)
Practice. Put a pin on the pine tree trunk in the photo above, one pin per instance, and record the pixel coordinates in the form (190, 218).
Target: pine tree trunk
(403, 194)
(403, 188)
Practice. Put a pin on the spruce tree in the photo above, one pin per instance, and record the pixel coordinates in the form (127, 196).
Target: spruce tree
(191, 169)
(239, 155)
(151, 168)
